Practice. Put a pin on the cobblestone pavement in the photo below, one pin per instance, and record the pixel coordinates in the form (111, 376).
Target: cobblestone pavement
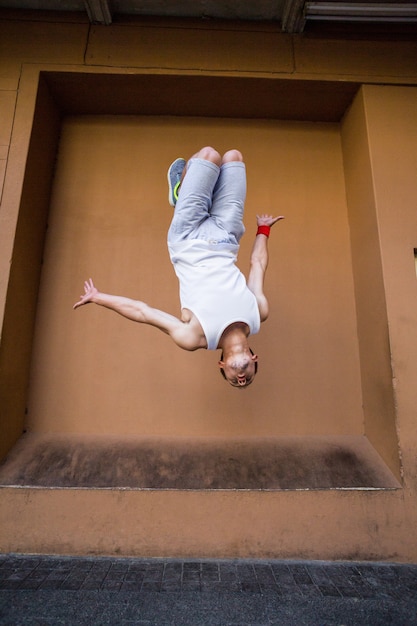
(43, 590)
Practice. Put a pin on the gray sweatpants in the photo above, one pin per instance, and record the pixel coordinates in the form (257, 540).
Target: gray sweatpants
(210, 203)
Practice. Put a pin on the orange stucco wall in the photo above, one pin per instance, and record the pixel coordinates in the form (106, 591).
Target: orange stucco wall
(109, 218)
(336, 355)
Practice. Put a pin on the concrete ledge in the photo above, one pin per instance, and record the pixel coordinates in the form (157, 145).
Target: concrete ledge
(287, 463)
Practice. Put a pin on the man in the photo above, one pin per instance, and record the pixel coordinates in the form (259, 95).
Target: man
(219, 309)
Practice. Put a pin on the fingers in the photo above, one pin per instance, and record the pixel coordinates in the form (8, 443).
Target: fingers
(88, 287)
(268, 220)
(81, 301)
(88, 291)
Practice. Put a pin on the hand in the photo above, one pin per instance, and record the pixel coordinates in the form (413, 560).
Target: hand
(267, 220)
(89, 292)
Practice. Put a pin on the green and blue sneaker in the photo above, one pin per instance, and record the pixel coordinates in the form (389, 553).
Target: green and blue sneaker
(174, 179)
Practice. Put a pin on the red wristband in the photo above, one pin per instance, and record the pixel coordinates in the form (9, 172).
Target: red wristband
(263, 230)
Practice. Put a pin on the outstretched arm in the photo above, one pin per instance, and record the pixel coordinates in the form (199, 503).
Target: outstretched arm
(141, 312)
(259, 264)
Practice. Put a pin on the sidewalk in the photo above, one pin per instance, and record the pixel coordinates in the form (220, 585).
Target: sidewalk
(43, 591)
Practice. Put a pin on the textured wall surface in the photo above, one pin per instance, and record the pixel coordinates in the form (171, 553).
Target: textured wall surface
(135, 447)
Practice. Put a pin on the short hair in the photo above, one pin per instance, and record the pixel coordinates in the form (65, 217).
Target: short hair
(222, 370)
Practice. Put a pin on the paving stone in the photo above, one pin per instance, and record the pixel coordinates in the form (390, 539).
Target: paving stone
(250, 587)
(131, 576)
(282, 574)
(173, 570)
(191, 585)
(104, 591)
(10, 584)
(191, 568)
(318, 575)
(246, 573)
(171, 583)
(264, 573)
(228, 572)
(210, 573)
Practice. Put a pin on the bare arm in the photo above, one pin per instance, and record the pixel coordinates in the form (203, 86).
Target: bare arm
(137, 311)
(259, 263)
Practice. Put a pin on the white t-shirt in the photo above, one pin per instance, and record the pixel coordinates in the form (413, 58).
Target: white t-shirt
(213, 288)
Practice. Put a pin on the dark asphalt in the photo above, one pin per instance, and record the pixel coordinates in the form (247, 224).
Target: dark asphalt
(49, 590)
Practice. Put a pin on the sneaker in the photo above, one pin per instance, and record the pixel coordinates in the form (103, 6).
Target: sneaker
(174, 180)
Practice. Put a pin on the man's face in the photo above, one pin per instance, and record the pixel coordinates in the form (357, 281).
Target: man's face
(239, 370)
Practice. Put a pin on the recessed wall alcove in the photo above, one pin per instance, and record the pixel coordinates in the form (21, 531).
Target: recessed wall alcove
(105, 403)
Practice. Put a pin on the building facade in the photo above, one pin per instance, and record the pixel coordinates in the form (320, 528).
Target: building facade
(113, 440)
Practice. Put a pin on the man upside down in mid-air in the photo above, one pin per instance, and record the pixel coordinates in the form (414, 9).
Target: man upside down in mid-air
(219, 308)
